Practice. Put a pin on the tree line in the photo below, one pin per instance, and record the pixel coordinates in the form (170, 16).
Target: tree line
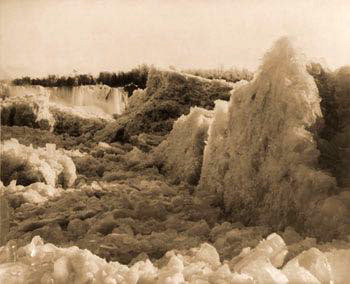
(131, 80)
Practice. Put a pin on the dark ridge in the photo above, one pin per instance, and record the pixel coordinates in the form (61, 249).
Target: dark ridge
(329, 158)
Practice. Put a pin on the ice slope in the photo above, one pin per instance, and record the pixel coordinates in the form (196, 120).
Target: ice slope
(168, 95)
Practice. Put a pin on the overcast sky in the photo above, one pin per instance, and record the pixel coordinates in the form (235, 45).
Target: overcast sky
(38, 37)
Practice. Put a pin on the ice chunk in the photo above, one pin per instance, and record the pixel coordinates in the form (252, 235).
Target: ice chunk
(298, 274)
(339, 261)
(224, 275)
(172, 273)
(273, 248)
(313, 261)
(208, 254)
(264, 272)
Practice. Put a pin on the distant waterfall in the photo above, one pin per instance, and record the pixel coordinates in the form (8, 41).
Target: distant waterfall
(110, 100)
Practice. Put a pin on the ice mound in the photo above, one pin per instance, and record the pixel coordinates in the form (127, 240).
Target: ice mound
(272, 248)
(27, 110)
(261, 155)
(180, 155)
(28, 165)
(168, 95)
(45, 263)
(34, 193)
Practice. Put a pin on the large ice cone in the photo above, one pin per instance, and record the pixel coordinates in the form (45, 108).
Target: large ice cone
(261, 154)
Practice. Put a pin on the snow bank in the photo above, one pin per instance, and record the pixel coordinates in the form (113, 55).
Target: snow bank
(45, 263)
(28, 165)
(27, 110)
(261, 153)
(180, 155)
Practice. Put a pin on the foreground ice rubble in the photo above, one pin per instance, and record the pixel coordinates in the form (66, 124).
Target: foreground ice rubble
(45, 263)
(47, 164)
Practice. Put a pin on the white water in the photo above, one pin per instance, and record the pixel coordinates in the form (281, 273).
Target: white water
(109, 100)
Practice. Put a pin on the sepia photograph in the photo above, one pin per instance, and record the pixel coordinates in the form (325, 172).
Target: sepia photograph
(174, 142)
